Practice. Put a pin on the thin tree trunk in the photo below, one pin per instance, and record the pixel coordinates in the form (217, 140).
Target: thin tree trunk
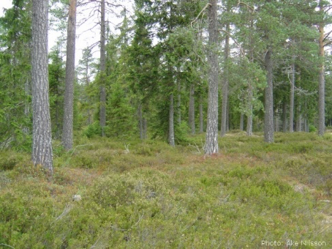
(276, 123)
(268, 116)
(225, 86)
(291, 105)
(102, 114)
(241, 121)
(27, 105)
(211, 145)
(299, 119)
(284, 117)
(68, 118)
(42, 152)
(192, 109)
(171, 136)
(250, 111)
(201, 117)
(321, 82)
(179, 104)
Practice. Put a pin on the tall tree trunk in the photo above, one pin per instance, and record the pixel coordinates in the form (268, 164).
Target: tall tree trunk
(201, 117)
(321, 82)
(211, 144)
(42, 152)
(299, 118)
(268, 116)
(225, 85)
(27, 105)
(284, 117)
(171, 137)
(179, 104)
(241, 121)
(102, 114)
(250, 110)
(192, 109)
(291, 105)
(68, 118)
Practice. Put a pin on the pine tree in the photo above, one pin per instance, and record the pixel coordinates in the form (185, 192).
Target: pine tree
(42, 152)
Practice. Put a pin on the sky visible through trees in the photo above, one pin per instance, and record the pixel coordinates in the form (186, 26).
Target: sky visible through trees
(160, 69)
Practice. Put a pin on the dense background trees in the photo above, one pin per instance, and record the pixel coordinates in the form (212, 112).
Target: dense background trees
(169, 68)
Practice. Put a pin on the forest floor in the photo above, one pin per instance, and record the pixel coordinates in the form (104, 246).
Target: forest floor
(147, 194)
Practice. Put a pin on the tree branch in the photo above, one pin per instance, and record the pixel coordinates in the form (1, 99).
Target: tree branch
(195, 20)
(245, 4)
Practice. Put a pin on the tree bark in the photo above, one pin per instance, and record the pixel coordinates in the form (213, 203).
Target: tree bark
(284, 117)
(171, 136)
(268, 116)
(192, 109)
(211, 144)
(321, 81)
(102, 114)
(241, 121)
(250, 110)
(179, 104)
(42, 153)
(225, 86)
(68, 118)
(201, 117)
(291, 105)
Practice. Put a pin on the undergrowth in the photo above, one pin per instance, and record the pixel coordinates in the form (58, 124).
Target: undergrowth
(149, 195)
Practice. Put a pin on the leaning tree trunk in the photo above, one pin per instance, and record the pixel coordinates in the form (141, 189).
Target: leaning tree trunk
(102, 114)
(211, 144)
(42, 153)
(68, 119)
(321, 82)
(268, 116)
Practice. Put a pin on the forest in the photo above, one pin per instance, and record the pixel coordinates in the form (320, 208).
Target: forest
(189, 124)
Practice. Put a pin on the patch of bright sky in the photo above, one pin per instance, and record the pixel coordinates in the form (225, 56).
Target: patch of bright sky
(88, 32)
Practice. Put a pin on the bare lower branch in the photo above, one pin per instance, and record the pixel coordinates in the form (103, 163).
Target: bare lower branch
(205, 7)
(245, 4)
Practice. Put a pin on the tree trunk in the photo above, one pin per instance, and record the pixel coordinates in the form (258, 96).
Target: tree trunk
(27, 105)
(201, 117)
(179, 103)
(284, 117)
(211, 145)
(299, 118)
(171, 136)
(102, 114)
(241, 121)
(42, 152)
(192, 109)
(321, 82)
(68, 118)
(225, 86)
(250, 110)
(268, 116)
(291, 105)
